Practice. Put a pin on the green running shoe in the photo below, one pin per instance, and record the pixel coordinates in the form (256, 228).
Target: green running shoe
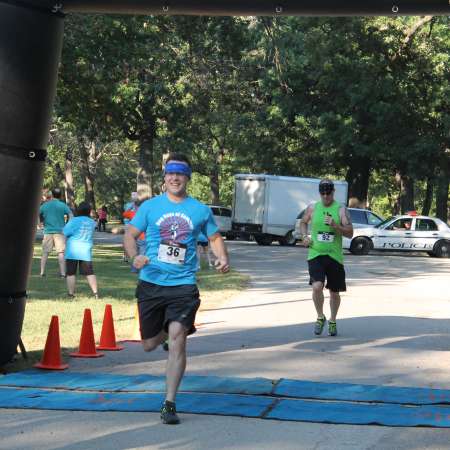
(169, 413)
(318, 327)
(332, 329)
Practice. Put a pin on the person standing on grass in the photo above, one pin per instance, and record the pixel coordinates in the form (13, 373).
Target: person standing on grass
(53, 214)
(140, 241)
(79, 232)
(329, 222)
(102, 214)
(129, 210)
(167, 294)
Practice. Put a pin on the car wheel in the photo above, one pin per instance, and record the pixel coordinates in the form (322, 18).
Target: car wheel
(360, 246)
(230, 237)
(288, 240)
(442, 249)
(432, 254)
(263, 240)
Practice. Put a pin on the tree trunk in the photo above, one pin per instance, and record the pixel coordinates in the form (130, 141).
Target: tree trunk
(397, 204)
(358, 182)
(144, 179)
(214, 186)
(68, 183)
(428, 197)
(406, 194)
(59, 174)
(442, 190)
(88, 177)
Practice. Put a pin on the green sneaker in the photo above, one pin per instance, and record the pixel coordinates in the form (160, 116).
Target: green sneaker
(169, 413)
(318, 327)
(332, 329)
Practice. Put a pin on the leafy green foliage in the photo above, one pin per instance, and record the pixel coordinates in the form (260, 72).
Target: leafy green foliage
(365, 99)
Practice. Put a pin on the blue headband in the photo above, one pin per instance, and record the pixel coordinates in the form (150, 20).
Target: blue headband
(176, 167)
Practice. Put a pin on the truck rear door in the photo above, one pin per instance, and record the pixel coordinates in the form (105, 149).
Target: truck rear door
(249, 200)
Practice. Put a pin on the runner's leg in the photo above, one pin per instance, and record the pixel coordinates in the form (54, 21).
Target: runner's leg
(335, 301)
(176, 362)
(318, 298)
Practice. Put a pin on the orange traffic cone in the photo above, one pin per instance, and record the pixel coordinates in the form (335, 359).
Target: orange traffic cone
(108, 336)
(51, 359)
(87, 341)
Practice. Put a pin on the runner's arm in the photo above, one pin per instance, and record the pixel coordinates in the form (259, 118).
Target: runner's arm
(220, 252)
(130, 247)
(305, 239)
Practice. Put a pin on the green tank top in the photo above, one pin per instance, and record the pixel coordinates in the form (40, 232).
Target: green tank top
(325, 240)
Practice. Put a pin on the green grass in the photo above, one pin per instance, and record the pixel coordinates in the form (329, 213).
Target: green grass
(116, 286)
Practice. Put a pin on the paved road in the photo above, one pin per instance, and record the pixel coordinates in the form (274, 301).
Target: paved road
(393, 330)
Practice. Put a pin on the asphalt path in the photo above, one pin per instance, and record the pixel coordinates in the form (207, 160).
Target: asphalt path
(393, 330)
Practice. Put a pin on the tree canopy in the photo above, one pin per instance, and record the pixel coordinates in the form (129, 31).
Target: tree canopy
(361, 99)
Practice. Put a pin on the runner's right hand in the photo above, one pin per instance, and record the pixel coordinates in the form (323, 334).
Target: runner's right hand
(140, 261)
(306, 241)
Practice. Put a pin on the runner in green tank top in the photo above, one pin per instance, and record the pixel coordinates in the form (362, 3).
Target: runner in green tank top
(329, 222)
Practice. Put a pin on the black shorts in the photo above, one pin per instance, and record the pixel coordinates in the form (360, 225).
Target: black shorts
(85, 267)
(160, 305)
(323, 267)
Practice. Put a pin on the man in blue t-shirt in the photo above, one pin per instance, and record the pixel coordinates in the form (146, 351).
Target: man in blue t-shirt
(53, 214)
(167, 294)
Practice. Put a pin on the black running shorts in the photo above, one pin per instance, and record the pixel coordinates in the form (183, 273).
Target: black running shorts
(160, 305)
(85, 267)
(323, 267)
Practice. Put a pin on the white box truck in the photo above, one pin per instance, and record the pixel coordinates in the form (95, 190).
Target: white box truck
(266, 206)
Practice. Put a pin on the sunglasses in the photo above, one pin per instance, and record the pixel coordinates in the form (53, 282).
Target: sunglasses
(326, 191)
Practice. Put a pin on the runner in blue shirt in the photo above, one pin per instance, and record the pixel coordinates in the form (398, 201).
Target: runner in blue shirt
(167, 294)
(79, 232)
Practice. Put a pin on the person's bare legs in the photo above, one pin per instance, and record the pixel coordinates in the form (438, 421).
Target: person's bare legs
(335, 302)
(318, 298)
(92, 281)
(70, 280)
(44, 259)
(62, 264)
(176, 362)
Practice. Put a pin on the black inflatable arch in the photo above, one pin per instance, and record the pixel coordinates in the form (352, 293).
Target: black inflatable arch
(31, 33)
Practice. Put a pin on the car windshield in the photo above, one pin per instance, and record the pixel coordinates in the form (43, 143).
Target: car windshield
(384, 222)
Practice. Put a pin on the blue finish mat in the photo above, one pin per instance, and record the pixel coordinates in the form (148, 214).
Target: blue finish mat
(230, 385)
(222, 404)
(231, 405)
(361, 393)
(245, 397)
(361, 414)
(132, 383)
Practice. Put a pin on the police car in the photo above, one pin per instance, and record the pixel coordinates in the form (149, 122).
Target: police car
(409, 232)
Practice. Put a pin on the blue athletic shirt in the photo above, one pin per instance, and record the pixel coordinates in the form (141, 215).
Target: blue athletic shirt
(80, 238)
(179, 223)
(53, 213)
